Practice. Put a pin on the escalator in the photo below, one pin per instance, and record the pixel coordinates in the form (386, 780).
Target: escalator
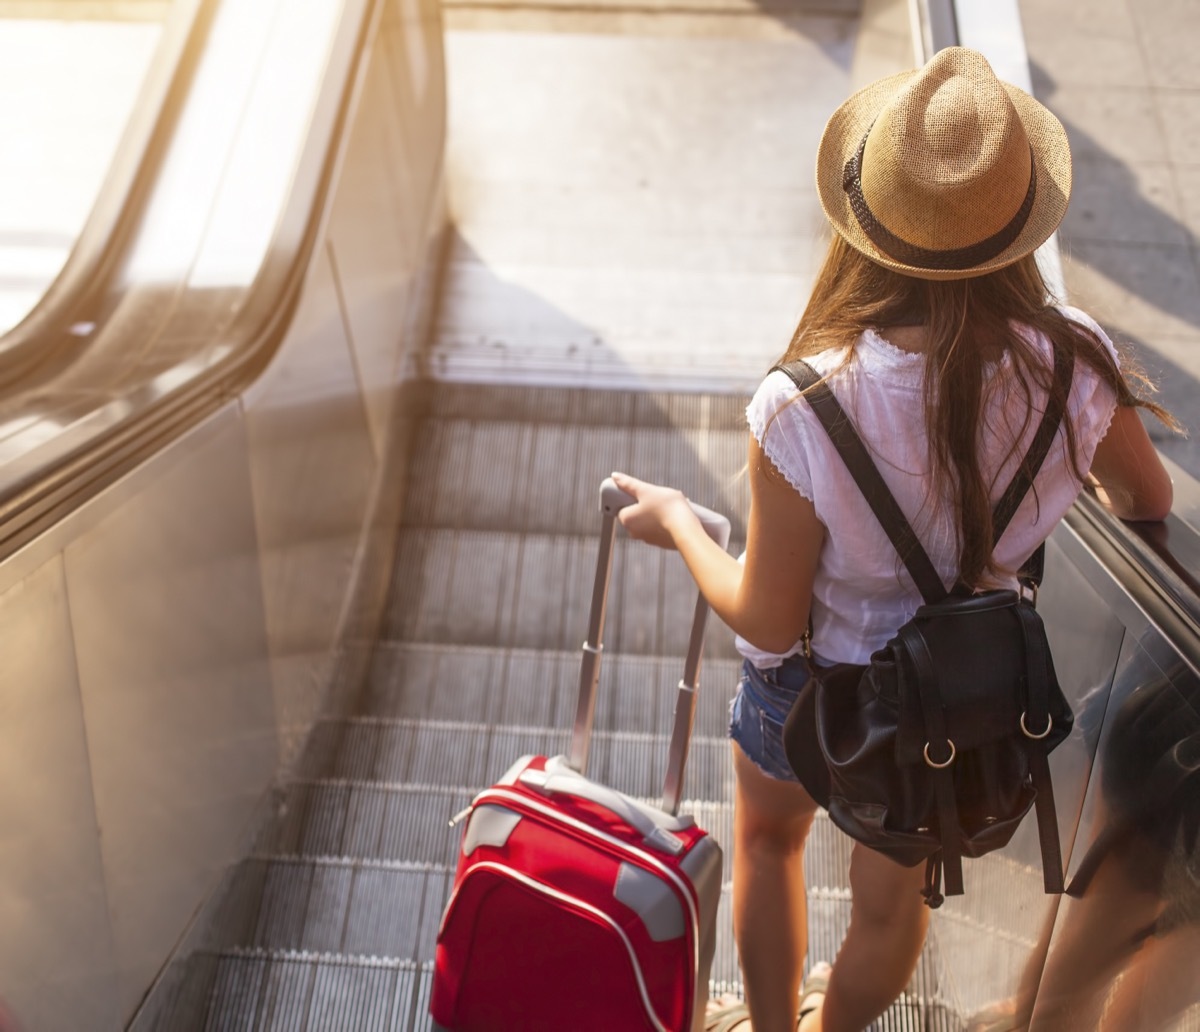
(312, 607)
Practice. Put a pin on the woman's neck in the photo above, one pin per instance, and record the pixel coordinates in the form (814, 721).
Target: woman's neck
(906, 338)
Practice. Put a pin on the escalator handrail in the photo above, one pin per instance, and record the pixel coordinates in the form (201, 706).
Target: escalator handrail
(38, 345)
(66, 471)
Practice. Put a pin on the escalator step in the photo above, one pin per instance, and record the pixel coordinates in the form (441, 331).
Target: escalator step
(498, 475)
(451, 753)
(335, 905)
(292, 990)
(535, 687)
(586, 406)
(532, 591)
(367, 820)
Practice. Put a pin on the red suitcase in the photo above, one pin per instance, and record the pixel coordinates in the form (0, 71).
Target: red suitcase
(576, 908)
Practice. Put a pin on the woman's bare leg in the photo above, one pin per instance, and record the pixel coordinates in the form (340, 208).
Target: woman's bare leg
(888, 918)
(771, 819)
(1158, 986)
(1097, 936)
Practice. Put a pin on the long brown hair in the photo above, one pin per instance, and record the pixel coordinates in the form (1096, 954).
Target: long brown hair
(969, 322)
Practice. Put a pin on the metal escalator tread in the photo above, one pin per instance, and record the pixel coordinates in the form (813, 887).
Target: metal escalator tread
(344, 905)
(287, 989)
(427, 752)
(484, 495)
(536, 687)
(406, 823)
(368, 819)
(584, 407)
(529, 590)
(255, 988)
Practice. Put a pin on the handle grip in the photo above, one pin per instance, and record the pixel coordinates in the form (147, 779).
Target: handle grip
(656, 828)
(613, 500)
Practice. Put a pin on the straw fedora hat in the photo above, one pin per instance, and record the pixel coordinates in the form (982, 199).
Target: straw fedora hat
(944, 172)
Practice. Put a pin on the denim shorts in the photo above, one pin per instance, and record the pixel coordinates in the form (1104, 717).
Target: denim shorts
(756, 715)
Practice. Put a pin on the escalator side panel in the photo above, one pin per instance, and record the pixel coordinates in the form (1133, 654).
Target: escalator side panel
(171, 641)
(57, 964)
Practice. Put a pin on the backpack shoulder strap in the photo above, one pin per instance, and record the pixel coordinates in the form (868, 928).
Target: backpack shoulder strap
(858, 461)
(891, 517)
(1014, 494)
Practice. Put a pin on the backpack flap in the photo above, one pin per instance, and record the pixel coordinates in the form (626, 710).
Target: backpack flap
(983, 672)
(980, 710)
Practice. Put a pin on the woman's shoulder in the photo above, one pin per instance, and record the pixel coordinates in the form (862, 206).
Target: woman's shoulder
(1085, 321)
(775, 394)
(1078, 315)
(871, 355)
(1092, 398)
(779, 389)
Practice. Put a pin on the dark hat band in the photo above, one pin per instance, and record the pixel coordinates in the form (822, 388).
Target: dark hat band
(921, 257)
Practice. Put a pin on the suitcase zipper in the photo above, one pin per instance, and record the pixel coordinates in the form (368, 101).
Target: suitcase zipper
(546, 890)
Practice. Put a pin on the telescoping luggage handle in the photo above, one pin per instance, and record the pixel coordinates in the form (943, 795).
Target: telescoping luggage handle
(612, 501)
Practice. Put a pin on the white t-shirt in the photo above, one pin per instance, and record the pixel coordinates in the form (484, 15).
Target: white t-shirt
(861, 592)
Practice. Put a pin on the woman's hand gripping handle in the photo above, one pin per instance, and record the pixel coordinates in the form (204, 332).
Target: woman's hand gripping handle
(649, 512)
(616, 500)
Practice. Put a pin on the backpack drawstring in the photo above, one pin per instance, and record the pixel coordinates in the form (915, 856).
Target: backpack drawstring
(933, 882)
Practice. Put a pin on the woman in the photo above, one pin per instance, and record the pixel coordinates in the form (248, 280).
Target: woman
(931, 323)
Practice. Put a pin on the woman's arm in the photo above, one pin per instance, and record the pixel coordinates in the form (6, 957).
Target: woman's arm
(766, 599)
(1130, 479)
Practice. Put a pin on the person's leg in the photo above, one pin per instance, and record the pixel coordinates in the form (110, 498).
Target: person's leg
(888, 918)
(770, 919)
(1158, 986)
(1097, 934)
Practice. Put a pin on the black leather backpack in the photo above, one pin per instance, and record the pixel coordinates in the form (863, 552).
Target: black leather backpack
(937, 748)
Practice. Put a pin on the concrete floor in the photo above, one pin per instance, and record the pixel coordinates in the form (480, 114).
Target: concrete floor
(679, 257)
(1122, 76)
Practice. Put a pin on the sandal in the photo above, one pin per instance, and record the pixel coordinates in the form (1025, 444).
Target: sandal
(816, 984)
(996, 1017)
(730, 1014)
(727, 1017)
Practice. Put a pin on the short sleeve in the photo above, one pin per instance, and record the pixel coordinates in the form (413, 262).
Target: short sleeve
(1078, 315)
(776, 419)
(1093, 402)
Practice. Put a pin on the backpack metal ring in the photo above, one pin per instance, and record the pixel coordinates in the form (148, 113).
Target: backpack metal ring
(1029, 734)
(949, 759)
